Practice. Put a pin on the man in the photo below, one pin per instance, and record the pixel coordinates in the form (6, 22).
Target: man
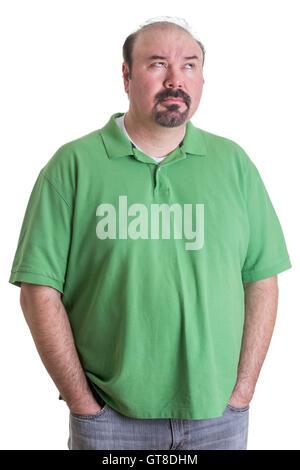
(148, 261)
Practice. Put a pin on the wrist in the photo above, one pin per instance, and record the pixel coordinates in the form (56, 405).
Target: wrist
(86, 410)
(242, 393)
(88, 405)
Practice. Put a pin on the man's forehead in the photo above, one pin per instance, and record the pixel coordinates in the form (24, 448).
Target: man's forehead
(162, 45)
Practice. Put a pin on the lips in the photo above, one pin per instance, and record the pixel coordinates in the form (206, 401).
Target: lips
(175, 100)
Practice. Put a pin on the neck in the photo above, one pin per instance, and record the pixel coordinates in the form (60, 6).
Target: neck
(154, 139)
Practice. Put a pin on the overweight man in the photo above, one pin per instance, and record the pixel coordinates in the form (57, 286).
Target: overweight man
(148, 260)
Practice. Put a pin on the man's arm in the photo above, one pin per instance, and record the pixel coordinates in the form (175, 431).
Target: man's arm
(50, 328)
(261, 302)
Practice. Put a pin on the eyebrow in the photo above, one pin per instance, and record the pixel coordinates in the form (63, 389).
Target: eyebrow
(154, 57)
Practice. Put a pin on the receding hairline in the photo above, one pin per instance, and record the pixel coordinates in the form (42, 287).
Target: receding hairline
(164, 25)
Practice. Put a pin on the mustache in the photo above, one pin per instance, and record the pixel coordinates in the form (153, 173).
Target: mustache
(174, 94)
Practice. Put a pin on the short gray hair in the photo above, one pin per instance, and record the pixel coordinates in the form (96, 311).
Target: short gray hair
(159, 22)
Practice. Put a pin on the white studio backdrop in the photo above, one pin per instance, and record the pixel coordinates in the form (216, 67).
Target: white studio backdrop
(61, 78)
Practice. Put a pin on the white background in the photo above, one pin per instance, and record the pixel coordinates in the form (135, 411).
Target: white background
(61, 78)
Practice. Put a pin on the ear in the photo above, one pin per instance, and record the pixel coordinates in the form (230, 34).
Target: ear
(125, 72)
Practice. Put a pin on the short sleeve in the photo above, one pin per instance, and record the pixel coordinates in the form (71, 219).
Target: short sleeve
(267, 253)
(42, 251)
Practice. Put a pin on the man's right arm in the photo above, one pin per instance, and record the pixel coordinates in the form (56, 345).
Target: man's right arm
(50, 328)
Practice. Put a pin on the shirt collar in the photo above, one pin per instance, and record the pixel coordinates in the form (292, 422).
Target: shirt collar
(118, 145)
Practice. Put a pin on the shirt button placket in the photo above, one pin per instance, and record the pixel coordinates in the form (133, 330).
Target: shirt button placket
(157, 179)
(161, 188)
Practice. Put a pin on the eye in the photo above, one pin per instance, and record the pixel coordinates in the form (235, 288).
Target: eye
(163, 63)
(192, 65)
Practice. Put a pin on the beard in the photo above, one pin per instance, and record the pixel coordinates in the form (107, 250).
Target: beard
(171, 116)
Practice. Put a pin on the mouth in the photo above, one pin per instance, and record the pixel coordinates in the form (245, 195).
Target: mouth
(171, 99)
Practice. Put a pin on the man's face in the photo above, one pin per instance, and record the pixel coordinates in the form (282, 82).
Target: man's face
(163, 68)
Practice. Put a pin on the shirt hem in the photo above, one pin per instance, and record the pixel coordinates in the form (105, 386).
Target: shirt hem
(182, 414)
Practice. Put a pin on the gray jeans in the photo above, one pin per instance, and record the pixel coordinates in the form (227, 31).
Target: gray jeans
(110, 430)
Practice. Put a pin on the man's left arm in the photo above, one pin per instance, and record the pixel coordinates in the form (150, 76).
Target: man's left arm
(261, 302)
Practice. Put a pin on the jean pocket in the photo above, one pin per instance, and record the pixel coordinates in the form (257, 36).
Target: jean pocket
(91, 416)
(238, 409)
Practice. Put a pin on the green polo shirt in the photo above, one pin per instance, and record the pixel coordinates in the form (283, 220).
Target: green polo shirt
(150, 260)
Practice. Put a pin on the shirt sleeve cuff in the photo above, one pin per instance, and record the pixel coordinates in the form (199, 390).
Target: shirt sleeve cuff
(17, 277)
(257, 275)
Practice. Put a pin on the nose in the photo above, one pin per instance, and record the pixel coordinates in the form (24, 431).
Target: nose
(173, 80)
